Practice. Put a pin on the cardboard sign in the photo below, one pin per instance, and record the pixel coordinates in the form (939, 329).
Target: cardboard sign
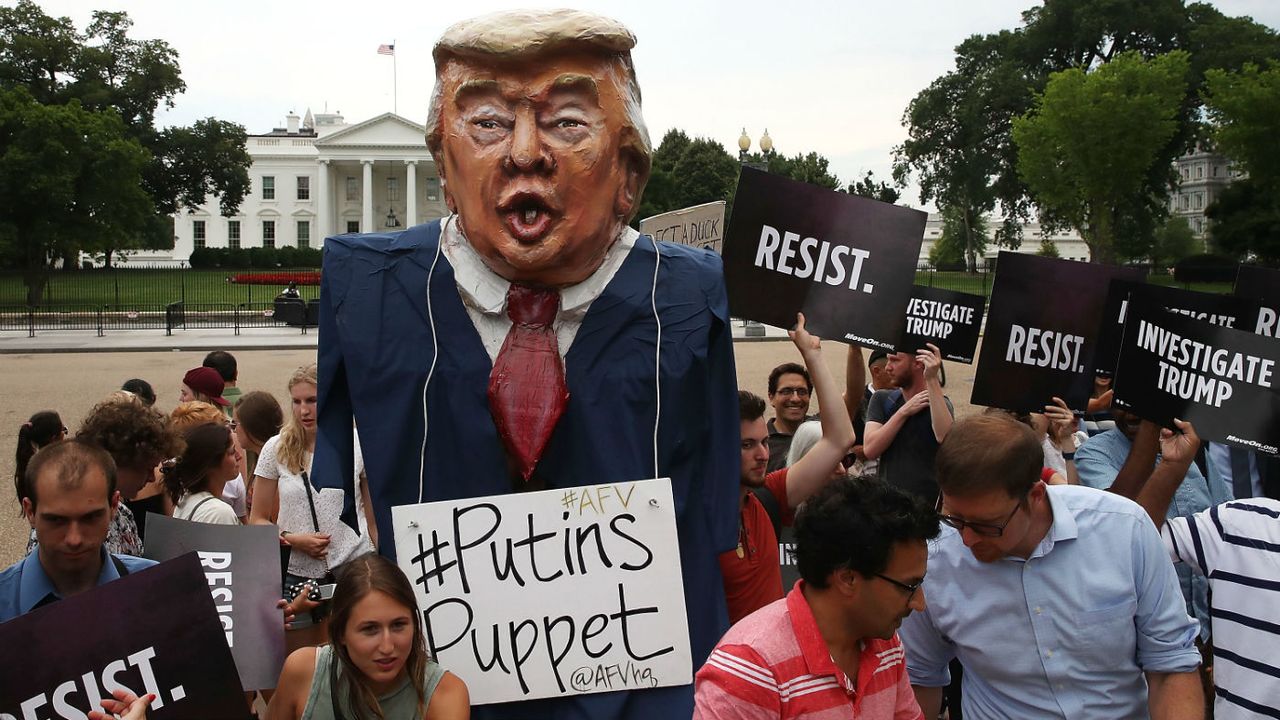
(154, 630)
(241, 565)
(559, 592)
(1042, 328)
(949, 319)
(1224, 310)
(1262, 285)
(1221, 380)
(846, 262)
(700, 226)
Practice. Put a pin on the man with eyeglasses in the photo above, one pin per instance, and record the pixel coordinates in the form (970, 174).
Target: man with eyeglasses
(905, 425)
(790, 389)
(830, 649)
(1059, 601)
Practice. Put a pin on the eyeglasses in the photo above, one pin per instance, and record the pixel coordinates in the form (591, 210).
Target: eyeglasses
(909, 589)
(798, 392)
(983, 529)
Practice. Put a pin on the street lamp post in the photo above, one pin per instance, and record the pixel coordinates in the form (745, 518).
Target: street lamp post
(751, 328)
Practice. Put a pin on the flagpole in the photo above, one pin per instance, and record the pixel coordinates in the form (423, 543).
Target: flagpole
(395, 82)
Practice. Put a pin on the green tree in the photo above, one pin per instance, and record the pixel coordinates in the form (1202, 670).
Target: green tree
(958, 144)
(1244, 108)
(104, 70)
(869, 188)
(1174, 241)
(960, 128)
(963, 240)
(1246, 221)
(69, 177)
(1090, 144)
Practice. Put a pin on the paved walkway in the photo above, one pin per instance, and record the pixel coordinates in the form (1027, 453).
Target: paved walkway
(83, 341)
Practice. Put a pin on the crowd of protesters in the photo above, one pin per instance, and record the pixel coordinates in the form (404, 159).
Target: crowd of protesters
(1005, 565)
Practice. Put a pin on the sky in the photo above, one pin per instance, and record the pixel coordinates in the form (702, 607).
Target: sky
(831, 77)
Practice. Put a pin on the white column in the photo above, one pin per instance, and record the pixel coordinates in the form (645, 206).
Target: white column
(324, 210)
(411, 194)
(366, 197)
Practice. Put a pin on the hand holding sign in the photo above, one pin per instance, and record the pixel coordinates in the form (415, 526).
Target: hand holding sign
(931, 358)
(1062, 422)
(1179, 446)
(125, 706)
(801, 337)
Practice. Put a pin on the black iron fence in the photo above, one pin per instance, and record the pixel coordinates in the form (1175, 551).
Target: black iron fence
(138, 298)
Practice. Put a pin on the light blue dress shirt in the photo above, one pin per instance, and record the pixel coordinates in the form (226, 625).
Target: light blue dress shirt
(25, 586)
(1066, 633)
(1098, 462)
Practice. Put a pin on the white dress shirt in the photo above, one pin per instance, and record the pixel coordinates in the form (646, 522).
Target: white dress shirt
(484, 292)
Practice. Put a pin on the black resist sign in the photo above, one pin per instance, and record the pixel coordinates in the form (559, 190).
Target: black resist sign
(152, 631)
(847, 262)
(1221, 380)
(1262, 285)
(1042, 331)
(1223, 310)
(949, 319)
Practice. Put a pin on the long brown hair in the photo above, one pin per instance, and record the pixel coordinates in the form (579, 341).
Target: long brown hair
(356, 579)
(187, 474)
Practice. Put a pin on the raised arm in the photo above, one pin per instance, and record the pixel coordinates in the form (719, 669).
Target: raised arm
(939, 414)
(813, 470)
(1177, 452)
(855, 381)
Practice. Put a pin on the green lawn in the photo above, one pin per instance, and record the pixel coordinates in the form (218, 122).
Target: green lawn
(144, 287)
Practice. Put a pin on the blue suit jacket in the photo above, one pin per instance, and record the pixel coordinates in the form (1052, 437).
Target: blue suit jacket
(376, 339)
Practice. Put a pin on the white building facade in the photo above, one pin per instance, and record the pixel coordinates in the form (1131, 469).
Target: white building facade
(319, 176)
(1069, 243)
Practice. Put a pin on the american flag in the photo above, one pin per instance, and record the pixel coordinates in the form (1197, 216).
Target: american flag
(386, 49)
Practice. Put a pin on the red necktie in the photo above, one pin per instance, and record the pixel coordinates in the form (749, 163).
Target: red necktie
(527, 393)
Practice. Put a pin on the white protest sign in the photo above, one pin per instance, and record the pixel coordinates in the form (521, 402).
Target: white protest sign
(544, 594)
(701, 226)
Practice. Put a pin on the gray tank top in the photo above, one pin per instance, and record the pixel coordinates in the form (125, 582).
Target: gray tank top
(399, 704)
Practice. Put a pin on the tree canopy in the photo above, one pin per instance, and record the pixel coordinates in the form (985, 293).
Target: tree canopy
(104, 80)
(1088, 147)
(960, 128)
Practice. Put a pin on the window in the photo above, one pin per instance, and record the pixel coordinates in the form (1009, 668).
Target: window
(268, 233)
(1215, 170)
(393, 189)
(268, 187)
(353, 187)
(304, 187)
(353, 226)
(1199, 200)
(1185, 202)
(1199, 171)
(197, 233)
(233, 234)
(1197, 225)
(304, 233)
(433, 188)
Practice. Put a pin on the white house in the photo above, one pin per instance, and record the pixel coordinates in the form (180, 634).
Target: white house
(1070, 245)
(319, 176)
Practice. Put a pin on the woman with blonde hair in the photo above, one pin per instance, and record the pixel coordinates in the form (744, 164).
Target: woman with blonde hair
(307, 517)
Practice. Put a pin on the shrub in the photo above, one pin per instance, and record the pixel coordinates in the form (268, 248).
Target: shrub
(1205, 268)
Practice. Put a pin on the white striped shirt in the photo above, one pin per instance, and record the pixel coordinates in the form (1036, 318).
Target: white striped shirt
(1237, 546)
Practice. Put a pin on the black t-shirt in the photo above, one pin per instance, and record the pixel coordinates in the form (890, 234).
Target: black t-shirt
(908, 461)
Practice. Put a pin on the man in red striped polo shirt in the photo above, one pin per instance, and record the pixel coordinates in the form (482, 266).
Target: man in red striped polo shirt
(830, 649)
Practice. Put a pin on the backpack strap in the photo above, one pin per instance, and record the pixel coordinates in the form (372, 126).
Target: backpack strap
(770, 503)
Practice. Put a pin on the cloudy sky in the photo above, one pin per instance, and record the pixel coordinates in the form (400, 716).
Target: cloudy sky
(832, 77)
